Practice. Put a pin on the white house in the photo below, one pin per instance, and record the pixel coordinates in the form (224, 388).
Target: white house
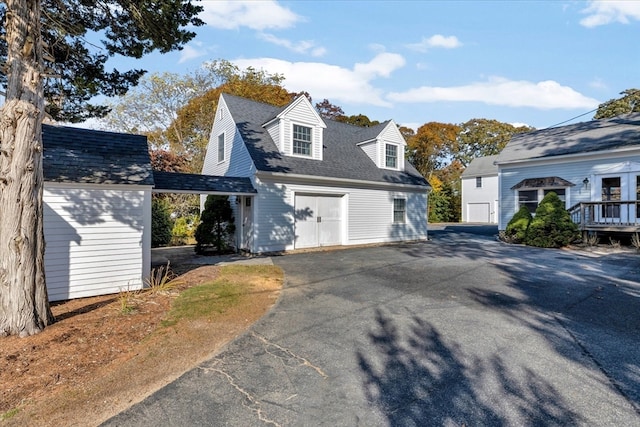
(593, 166)
(319, 182)
(480, 191)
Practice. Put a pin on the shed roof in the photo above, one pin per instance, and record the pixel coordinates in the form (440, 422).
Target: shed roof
(78, 155)
(172, 182)
(342, 158)
(545, 182)
(481, 166)
(586, 137)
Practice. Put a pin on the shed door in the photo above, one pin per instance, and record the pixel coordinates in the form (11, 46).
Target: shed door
(318, 220)
(479, 212)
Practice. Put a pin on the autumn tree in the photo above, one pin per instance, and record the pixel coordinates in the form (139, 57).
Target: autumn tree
(484, 137)
(48, 68)
(628, 103)
(358, 120)
(432, 146)
(327, 110)
(196, 117)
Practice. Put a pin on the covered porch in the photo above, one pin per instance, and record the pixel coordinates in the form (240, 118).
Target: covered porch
(610, 216)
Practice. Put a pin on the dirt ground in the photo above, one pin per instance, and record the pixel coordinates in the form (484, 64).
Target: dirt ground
(96, 360)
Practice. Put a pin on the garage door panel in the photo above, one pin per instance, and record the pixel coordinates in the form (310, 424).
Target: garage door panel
(479, 212)
(318, 220)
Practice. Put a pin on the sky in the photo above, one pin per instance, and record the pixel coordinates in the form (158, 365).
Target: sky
(538, 63)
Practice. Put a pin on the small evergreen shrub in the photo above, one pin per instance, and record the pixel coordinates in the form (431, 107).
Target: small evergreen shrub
(516, 231)
(161, 222)
(216, 228)
(552, 226)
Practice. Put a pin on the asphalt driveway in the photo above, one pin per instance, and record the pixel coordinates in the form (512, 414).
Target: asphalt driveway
(459, 330)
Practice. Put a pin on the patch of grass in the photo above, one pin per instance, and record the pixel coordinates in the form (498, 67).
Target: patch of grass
(9, 414)
(206, 300)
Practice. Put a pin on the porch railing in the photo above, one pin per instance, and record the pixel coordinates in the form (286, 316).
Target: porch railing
(619, 215)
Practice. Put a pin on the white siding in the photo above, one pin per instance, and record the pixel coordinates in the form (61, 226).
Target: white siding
(472, 195)
(367, 215)
(574, 171)
(391, 135)
(95, 241)
(371, 150)
(274, 130)
(237, 162)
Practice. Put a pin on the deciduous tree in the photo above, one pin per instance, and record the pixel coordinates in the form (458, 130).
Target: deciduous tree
(55, 33)
(628, 103)
(484, 137)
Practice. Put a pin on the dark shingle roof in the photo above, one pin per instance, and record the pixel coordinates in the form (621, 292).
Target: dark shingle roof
(95, 157)
(481, 166)
(194, 183)
(587, 137)
(342, 158)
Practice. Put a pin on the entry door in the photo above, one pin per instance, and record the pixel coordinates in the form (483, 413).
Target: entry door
(318, 220)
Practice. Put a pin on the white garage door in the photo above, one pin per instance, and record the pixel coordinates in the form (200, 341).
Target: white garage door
(318, 220)
(479, 212)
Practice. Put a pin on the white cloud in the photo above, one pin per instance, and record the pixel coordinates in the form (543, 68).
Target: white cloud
(436, 41)
(304, 46)
(192, 51)
(602, 12)
(544, 95)
(257, 15)
(338, 84)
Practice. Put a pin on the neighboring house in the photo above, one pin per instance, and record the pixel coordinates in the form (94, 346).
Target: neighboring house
(480, 191)
(319, 182)
(97, 209)
(593, 166)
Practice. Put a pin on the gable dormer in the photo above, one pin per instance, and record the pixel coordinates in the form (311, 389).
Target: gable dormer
(297, 130)
(386, 149)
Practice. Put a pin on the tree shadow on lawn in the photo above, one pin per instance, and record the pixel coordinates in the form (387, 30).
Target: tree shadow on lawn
(417, 378)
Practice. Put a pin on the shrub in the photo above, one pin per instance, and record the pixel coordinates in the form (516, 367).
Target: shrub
(184, 230)
(552, 226)
(216, 226)
(161, 222)
(516, 231)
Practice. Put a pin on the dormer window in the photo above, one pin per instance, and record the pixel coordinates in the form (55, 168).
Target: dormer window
(391, 156)
(302, 140)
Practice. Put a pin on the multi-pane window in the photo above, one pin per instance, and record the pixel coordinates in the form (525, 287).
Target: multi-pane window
(301, 140)
(531, 198)
(399, 211)
(478, 182)
(391, 156)
(221, 148)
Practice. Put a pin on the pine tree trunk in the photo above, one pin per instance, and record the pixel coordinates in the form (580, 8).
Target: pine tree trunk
(24, 305)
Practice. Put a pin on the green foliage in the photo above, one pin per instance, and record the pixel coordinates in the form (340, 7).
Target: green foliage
(161, 222)
(516, 231)
(126, 28)
(184, 229)
(216, 226)
(628, 103)
(552, 226)
(483, 137)
(444, 205)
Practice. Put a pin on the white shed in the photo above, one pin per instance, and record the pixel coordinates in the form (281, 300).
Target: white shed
(97, 211)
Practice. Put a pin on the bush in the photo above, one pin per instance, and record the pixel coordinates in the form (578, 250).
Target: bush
(216, 226)
(516, 231)
(184, 229)
(161, 222)
(552, 226)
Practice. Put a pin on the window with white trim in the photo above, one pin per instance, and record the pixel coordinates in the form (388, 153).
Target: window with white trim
(531, 198)
(221, 148)
(391, 156)
(399, 211)
(302, 140)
